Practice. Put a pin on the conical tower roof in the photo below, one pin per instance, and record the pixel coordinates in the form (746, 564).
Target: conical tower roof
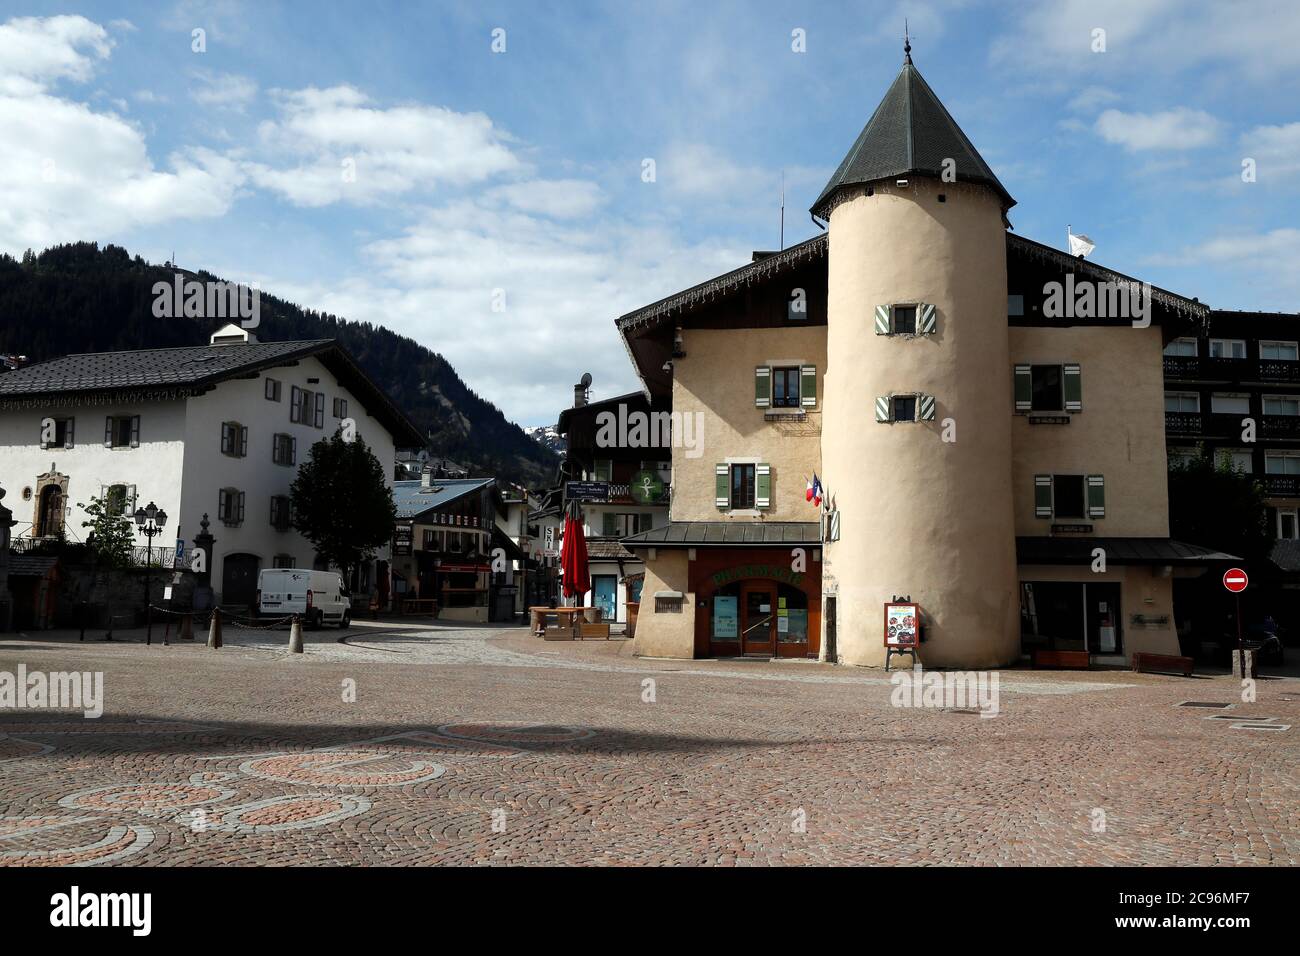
(910, 133)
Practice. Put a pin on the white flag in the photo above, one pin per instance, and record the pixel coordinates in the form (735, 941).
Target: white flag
(1079, 245)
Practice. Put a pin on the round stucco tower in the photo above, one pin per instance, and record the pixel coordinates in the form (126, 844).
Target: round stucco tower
(925, 506)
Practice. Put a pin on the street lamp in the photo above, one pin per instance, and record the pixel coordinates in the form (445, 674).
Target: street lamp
(150, 521)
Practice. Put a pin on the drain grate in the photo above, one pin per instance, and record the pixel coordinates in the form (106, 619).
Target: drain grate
(1260, 726)
(1203, 703)
(1241, 717)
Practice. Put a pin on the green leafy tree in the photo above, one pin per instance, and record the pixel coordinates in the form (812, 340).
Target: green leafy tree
(1212, 505)
(341, 503)
(111, 536)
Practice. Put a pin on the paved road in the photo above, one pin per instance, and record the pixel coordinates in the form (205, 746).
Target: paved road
(410, 745)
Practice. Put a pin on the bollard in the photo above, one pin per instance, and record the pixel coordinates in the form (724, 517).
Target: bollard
(214, 629)
(295, 636)
(187, 628)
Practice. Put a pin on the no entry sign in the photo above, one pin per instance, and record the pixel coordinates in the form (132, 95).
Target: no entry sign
(1235, 580)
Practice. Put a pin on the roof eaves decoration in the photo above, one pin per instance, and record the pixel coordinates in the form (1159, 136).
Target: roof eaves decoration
(1175, 303)
(725, 284)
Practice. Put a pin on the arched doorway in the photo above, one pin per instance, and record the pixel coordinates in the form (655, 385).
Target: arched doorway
(239, 579)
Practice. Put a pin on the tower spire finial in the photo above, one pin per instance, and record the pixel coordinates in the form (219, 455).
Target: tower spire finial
(907, 44)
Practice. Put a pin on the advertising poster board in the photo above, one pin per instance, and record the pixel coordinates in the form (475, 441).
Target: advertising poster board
(901, 625)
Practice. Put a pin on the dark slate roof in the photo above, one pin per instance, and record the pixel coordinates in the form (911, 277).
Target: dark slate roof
(1286, 554)
(150, 368)
(910, 132)
(413, 498)
(30, 565)
(684, 534)
(1042, 550)
(190, 370)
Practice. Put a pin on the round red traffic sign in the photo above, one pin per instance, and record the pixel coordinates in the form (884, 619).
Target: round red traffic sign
(1235, 580)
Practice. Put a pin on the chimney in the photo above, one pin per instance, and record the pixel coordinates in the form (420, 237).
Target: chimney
(581, 389)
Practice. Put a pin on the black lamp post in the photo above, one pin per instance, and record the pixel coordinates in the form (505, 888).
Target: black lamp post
(150, 521)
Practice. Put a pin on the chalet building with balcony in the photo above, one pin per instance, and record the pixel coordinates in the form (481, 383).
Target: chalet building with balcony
(617, 467)
(984, 454)
(217, 430)
(448, 532)
(1232, 390)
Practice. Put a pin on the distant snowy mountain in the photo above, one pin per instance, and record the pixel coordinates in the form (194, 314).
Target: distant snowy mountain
(547, 437)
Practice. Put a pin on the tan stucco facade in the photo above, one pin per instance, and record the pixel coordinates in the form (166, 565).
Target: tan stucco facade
(666, 633)
(1146, 612)
(924, 506)
(716, 382)
(1119, 434)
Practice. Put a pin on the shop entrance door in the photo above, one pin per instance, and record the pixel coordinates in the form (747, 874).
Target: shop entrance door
(758, 621)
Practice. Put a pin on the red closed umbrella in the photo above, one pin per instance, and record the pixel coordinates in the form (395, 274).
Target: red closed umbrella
(573, 555)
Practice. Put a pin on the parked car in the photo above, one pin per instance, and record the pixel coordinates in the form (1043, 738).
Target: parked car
(317, 596)
(1264, 642)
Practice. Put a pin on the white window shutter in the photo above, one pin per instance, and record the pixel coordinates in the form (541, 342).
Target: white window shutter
(882, 319)
(925, 319)
(925, 403)
(883, 406)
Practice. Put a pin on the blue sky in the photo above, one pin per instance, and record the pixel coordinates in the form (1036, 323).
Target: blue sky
(381, 161)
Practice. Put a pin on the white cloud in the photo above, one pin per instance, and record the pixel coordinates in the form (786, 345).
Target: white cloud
(1276, 151)
(563, 286)
(332, 145)
(1092, 98)
(68, 171)
(223, 90)
(556, 198)
(1266, 264)
(1179, 128)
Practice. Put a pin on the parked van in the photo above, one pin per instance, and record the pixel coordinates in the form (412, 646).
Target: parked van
(317, 596)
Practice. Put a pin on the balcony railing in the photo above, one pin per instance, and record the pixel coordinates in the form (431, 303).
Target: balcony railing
(1194, 368)
(1220, 425)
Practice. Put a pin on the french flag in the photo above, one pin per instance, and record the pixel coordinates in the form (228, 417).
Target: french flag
(814, 492)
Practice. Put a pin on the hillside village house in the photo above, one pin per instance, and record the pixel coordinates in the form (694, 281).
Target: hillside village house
(622, 487)
(990, 437)
(217, 429)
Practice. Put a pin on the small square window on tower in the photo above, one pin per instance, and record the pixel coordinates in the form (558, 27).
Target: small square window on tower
(904, 320)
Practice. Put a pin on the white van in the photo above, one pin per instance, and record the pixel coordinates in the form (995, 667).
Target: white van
(317, 596)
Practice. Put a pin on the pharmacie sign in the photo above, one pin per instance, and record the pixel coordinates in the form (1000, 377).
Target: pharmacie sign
(778, 572)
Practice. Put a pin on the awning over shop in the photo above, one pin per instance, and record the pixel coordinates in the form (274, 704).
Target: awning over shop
(1152, 551)
(727, 534)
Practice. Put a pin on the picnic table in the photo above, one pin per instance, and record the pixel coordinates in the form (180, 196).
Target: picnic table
(556, 623)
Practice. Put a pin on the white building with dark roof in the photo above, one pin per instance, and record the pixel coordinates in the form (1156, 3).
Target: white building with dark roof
(215, 430)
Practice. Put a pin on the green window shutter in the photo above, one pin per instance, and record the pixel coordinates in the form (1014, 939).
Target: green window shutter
(882, 319)
(1073, 383)
(1042, 496)
(883, 408)
(925, 319)
(1024, 388)
(609, 524)
(925, 406)
(762, 486)
(722, 486)
(762, 387)
(1096, 496)
(808, 386)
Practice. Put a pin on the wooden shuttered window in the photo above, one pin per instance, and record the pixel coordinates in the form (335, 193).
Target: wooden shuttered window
(762, 387)
(922, 322)
(762, 486)
(1072, 387)
(1096, 496)
(1024, 388)
(918, 407)
(1042, 496)
(320, 410)
(722, 485)
(808, 386)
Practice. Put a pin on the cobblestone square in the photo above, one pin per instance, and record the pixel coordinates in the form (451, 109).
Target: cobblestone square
(478, 746)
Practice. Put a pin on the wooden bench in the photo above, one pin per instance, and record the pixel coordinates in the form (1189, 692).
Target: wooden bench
(1077, 660)
(593, 631)
(1145, 663)
(560, 633)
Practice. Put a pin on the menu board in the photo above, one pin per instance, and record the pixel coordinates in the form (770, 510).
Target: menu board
(900, 625)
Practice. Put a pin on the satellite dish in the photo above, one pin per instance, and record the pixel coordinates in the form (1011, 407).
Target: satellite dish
(586, 380)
